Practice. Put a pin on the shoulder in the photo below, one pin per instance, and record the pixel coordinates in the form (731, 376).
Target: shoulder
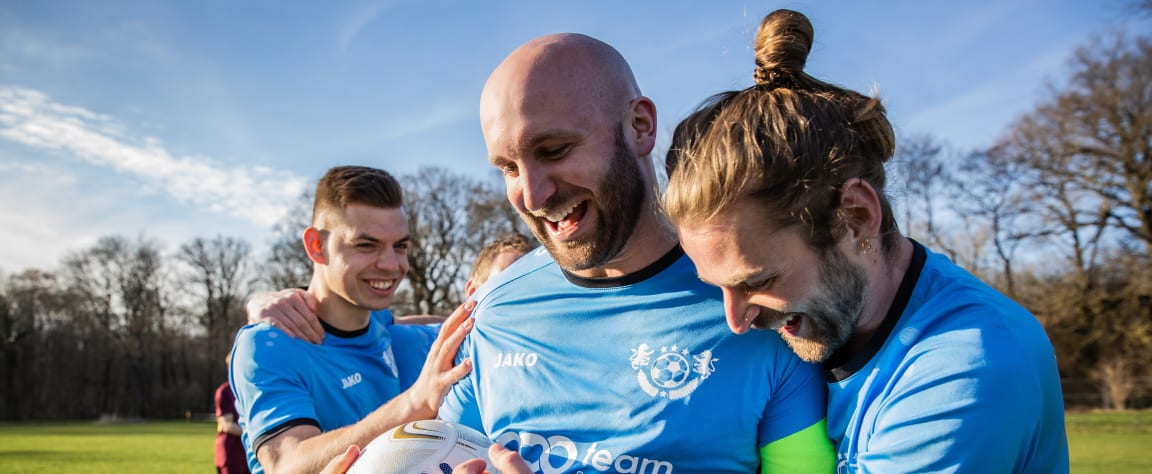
(223, 392)
(524, 271)
(414, 333)
(262, 344)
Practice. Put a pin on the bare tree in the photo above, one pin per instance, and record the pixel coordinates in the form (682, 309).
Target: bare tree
(288, 265)
(450, 217)
(1085, 154)
(29, 301)
(90, 279)
(1095, 134)
(221, 271)
(992, 193)
(489, 213)
(121, 295)
(921, 162)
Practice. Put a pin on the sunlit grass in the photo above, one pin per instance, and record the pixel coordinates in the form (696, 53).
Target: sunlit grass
(168, 447)
(1100, 442)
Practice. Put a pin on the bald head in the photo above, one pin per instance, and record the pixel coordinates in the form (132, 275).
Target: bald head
(564, 121)
(584, 70)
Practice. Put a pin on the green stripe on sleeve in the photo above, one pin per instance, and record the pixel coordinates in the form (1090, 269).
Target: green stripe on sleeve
(805, 451)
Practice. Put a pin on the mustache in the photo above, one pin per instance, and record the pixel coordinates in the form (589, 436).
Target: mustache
(551, 205)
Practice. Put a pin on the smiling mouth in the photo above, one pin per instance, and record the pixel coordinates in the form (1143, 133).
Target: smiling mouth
(776, 322)
(564, 220)
(382, 285)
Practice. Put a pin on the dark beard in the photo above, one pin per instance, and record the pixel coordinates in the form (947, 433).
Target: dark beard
(622, 194)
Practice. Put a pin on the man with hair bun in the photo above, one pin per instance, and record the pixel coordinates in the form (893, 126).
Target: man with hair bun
(778, 193)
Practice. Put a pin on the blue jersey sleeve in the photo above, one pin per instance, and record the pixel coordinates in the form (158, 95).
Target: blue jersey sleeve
(957, 408)
(460, 405)
(268, 390)
(799, 397)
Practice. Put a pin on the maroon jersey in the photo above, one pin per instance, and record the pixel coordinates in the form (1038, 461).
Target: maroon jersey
(230, 457)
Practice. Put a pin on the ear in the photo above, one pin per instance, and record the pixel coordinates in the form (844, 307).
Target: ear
(469, 288)
(641, 118)
(861, 209)
(314, 245)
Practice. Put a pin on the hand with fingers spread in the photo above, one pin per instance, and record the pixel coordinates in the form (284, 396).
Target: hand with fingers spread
(503, 459)
(440, 371)
(292, 311)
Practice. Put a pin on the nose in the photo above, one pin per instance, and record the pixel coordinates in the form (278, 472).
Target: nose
(737, 311)
(536, 187)
(390, 260)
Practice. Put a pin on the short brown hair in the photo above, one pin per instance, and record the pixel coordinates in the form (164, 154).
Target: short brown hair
(788, 143)
(512, 242)
(344, 185)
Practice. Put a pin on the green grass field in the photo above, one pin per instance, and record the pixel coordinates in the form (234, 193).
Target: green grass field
(152, 447)
(1100, 442)
(1110, 442)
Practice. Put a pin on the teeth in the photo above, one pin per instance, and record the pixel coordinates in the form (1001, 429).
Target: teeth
(380, 284)
(560, 215)
(764, 321)
(785, 320)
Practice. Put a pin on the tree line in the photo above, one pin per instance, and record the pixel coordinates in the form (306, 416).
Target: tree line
(123, 328)
(1057, 214)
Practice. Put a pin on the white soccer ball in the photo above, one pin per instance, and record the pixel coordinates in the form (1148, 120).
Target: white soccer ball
(424, 447)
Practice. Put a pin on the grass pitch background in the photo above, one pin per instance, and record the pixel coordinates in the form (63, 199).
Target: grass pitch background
(1100, 442)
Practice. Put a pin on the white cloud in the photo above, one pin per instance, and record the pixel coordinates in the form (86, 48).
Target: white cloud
(256, 194)
(360, 19)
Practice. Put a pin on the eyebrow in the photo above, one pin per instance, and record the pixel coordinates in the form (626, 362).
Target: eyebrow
(370, 238)
(735, 280)
(535, 141)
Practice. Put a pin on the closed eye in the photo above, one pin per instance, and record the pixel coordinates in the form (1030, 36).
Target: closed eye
(761, 285)
(554, 153)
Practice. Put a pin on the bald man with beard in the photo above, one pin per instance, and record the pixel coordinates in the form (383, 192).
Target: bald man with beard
(603, 350)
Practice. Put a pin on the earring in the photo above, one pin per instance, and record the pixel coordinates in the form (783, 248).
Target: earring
(866, 246)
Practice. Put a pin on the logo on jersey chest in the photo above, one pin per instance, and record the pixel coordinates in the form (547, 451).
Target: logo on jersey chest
(351, 380)
(674, 373)
(515, 359)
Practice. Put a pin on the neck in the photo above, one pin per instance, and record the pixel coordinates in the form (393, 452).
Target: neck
(885, 273)
(652, 238)
(335, 310)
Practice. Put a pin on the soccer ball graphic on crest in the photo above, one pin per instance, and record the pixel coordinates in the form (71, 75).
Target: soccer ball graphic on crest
(670, 370)
(424, 447)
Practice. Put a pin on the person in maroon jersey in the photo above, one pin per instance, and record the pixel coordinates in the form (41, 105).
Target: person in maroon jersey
(230, 457)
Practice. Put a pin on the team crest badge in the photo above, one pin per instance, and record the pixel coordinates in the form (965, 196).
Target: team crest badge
(674, 373)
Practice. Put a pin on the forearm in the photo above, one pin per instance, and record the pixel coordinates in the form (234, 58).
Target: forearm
(313, 453)
(225, 424)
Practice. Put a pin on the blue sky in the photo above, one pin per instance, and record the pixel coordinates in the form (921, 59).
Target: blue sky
(178, 119)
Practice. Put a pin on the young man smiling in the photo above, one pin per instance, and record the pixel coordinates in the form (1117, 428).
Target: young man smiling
(301, 404)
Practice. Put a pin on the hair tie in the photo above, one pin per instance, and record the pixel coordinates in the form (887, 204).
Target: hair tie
(769, 78)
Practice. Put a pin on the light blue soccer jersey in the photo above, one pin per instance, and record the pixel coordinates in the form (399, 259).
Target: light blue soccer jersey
(638, 374)
(958, 379)
(281, 382)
